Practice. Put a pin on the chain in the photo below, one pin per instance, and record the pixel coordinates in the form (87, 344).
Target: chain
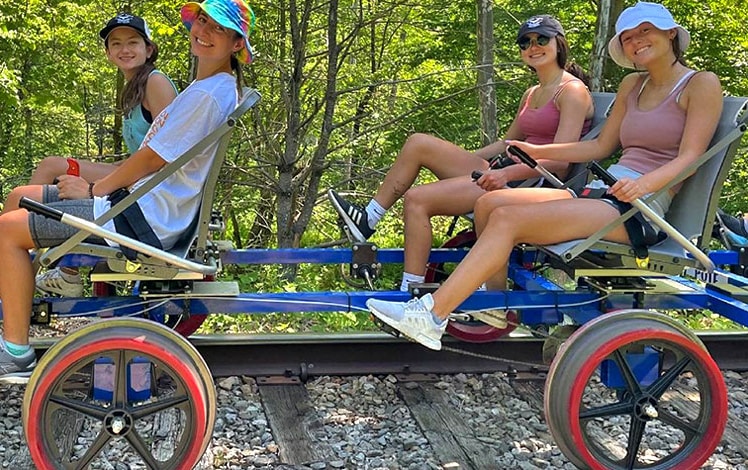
(489, 357)
(499, 358)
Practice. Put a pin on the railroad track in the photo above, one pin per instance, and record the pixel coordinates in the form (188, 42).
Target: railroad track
(371, 401)
(307, 355)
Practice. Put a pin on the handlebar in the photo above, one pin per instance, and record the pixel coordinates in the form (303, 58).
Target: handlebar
(601, 173)
(522, 155)
(39, 208)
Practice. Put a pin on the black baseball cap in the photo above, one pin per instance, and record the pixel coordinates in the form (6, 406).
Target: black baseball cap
(545, 25)
(131, 21)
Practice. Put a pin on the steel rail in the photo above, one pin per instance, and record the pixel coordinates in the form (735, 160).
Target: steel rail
(300, 356)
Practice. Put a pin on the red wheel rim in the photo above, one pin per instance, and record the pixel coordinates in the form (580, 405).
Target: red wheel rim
(718, 410)
(192, 385)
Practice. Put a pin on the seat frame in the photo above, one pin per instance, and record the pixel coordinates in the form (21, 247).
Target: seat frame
(191, 257)
(691, 213)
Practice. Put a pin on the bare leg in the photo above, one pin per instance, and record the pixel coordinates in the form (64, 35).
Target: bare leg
(16, 279)
(52, 167)
(540, 224)
(443, 158)
(452, 196)
(501, 198)
(31, 192)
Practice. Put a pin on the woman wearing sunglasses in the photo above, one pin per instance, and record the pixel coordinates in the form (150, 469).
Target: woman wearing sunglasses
(663, 118)
(558, 109)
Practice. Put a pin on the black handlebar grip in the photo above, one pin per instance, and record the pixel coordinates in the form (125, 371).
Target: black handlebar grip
(601, 173)
(39, 208)
(476, 175)
(522, 155)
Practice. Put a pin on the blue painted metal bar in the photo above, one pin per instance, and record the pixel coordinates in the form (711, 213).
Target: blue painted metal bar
(329, 255)
(537, 298)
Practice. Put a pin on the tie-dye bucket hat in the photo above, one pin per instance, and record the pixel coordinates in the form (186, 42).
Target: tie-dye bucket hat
(232, 14)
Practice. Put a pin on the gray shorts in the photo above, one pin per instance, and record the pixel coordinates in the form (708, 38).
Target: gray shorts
(660, 205)
(46, 232)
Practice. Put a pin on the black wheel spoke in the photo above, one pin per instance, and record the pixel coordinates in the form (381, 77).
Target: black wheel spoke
(161, 405)
(635, 438)
(120, 382)
(613, 409)
(87, 409)
(93, 451)
(660, 385)
(670, 419)
(140, 447)
(632, 385)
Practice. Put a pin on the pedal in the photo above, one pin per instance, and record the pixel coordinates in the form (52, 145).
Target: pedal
(493, 317)
(419, 289)
(385, 327)
(346, 231)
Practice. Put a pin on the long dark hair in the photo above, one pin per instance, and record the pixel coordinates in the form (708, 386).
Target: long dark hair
(562, 59)
(237, 68)
(134, 91)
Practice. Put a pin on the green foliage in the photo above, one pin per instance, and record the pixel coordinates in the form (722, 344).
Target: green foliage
(403, 67)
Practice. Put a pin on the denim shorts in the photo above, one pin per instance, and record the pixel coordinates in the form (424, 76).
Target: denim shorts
(46, 232)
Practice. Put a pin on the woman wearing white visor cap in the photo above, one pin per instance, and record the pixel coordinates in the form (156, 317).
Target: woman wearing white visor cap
(663, 118)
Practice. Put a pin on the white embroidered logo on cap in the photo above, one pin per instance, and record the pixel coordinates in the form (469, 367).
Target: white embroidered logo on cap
(534, 22)
(124, 18)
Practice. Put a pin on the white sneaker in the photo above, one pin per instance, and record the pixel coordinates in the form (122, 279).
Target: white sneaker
(52, 282)
(413, 319)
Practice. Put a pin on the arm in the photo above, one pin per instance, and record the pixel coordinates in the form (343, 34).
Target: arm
(159, 92)
(702, 101)
(574, 104)
(514, 132)
(140, 164)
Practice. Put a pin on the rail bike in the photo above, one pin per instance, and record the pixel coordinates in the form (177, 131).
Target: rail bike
(621, 374)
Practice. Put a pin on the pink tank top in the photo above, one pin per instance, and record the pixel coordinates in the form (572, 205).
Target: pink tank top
(652, 138)
(540, 125)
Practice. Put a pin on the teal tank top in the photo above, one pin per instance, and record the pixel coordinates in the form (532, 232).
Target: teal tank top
(135, 126)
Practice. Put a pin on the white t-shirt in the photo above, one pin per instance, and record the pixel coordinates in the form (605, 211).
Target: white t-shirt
(197, 111)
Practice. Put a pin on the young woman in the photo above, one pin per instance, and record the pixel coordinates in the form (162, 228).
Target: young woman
(558, 109)
(663, 118)
(128, 45)
(219, 32)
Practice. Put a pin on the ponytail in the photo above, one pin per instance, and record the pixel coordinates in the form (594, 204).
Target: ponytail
(576, 70)
(237, 68)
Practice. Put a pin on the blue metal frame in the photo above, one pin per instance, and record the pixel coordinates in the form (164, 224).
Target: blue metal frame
(539, 300)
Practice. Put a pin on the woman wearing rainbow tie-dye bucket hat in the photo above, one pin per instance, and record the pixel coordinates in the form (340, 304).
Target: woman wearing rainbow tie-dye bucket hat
(219, 38)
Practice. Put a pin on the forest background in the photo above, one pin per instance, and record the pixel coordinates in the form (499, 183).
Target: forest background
(343, 85)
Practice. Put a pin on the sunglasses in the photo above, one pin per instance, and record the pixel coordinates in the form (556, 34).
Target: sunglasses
(525, 42)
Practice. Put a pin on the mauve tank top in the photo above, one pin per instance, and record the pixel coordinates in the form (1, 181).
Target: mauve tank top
(540, 125)
(652, 138)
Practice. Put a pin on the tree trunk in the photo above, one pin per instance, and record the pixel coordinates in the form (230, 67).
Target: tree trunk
(486, 88)
(607, 11)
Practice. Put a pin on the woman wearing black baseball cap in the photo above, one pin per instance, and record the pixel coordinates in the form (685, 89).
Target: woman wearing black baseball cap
(558, 109)
(129, 46)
